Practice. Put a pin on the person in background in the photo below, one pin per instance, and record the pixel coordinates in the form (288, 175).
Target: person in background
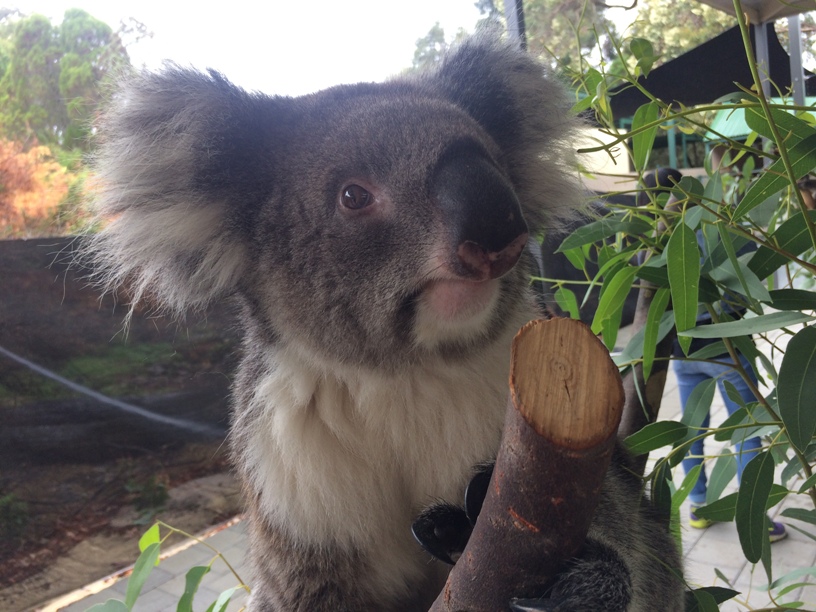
(691, 373)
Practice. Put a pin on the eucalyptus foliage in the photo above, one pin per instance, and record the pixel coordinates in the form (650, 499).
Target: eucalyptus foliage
(655, 247)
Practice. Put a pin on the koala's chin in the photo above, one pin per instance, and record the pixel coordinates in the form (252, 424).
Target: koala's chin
(454, 310)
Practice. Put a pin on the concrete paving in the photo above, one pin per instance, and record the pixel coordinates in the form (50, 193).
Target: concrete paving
(710, 555)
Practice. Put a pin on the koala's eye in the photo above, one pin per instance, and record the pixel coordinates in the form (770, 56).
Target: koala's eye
(355, 197)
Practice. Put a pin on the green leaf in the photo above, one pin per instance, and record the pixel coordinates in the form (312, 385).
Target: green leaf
(656, 275)
(141, 570)
(800, 514)
(752, 500)
(722, 510)
(793, 299)
(661, 490)
(634, 349)
(643, 51)
(112, 605)
(724, 471)
(151, 536)
(220, 604)
(683, 263)
(791, 237)
(748, 325)
(603, 228)
(685, 487)
(810, 482)
(698, 405)
(689, 187)
(612, 300)
(792, 129)
(699, 600)
(802, 158)
(642, 142)
(656, 435)
(567, 302)
(794, 575)
(796, 389)
(576, 257)
(714, 189)
(192, 580)
(652, 330)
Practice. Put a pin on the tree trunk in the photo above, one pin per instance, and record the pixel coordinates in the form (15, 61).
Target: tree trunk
(566, 403)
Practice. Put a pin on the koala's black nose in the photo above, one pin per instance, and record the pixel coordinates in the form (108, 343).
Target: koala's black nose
(478, 203)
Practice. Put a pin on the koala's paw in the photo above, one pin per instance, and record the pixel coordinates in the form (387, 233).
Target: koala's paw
(597, 580)
(443, 530)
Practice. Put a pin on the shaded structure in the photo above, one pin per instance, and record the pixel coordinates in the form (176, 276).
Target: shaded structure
(708, 72)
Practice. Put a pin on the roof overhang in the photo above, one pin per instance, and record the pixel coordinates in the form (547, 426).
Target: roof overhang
(760, 11)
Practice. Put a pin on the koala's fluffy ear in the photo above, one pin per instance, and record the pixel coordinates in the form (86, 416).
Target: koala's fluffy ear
(526, 113)
(184, 160)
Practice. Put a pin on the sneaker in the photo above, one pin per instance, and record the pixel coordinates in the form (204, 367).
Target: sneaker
(698, 522)
(777, 531)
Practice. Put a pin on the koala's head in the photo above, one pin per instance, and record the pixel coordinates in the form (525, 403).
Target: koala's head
(367, 223)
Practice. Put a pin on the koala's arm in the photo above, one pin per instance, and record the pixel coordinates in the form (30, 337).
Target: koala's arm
(303, 578)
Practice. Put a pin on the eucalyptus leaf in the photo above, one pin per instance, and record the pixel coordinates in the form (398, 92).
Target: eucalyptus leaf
(613, 297)
(810, 482)
(604, 228)
(792, 299)
(683, 264)
(748, 325)
(192, 580)
(643, 141)
(141, 570)
(699, 600)
(802, 158)
(801, 514)
(792, 129)
(151, 536)
(656, 435)
(567, 302)
(723, 472)
(752, 500)
(653, 333)
(220, 604)
(792, 237)
(698, 405)
(797, 388)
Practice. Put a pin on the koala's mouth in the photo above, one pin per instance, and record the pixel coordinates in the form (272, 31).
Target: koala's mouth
(457, 299)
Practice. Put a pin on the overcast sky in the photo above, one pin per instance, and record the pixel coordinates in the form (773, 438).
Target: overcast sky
(285, 47)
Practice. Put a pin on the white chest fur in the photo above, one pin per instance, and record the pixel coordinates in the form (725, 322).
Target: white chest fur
(353, 456)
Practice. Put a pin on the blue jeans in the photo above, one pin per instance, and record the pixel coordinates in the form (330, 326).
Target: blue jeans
(689, 375)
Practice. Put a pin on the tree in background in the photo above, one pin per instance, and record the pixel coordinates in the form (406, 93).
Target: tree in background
(676, 26)
(51, 78)
(50, 86)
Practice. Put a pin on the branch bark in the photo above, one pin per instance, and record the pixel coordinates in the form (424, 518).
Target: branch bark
(565, 407)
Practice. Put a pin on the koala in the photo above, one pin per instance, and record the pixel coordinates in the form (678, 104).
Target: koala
(372, 237)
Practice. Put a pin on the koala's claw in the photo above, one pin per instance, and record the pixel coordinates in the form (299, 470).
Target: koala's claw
(443, 531)
(532, 605)
(477, 491)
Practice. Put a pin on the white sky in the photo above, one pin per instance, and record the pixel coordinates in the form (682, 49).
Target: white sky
(278, 46)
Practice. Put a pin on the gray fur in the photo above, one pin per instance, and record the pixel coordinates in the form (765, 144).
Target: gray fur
(355, 407)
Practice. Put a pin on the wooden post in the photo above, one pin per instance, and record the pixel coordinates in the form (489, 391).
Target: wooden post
(566, 402)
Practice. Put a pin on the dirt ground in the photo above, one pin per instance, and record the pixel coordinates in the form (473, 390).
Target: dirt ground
(81, 478)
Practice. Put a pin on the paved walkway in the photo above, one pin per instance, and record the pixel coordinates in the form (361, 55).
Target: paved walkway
(707, 553)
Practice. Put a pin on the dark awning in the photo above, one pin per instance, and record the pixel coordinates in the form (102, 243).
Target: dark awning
(706, 73)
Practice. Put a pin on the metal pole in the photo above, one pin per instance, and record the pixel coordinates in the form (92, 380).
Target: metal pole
(514, 13)
(763, 62)
(796, 70)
